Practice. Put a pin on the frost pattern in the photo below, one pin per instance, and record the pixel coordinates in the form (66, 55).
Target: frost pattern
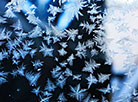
(75, 70)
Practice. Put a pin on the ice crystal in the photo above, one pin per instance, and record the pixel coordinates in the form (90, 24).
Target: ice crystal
(77, 92)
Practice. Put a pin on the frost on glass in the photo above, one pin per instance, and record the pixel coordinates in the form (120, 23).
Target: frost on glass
(55, 64)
